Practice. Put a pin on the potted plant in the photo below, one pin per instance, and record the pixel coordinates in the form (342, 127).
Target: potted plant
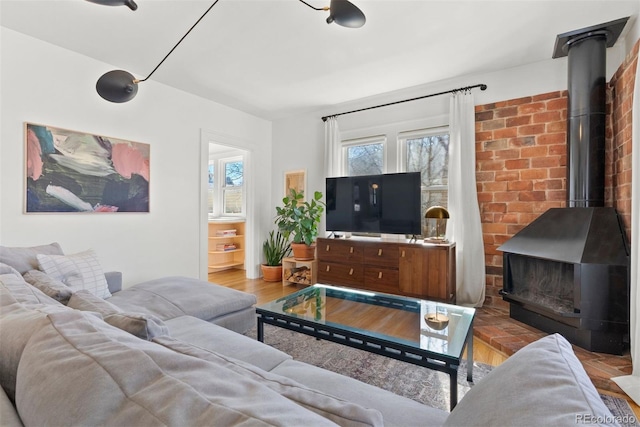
(275, 248)
(298, 222)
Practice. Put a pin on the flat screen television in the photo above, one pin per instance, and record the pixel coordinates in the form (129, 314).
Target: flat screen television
(388, 203)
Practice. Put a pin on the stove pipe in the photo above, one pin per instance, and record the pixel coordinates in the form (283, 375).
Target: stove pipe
(586, 121)
(586, 109)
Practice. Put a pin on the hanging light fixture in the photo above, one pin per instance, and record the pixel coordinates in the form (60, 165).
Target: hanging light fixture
(343, 13)
(129, 3)
(121, 86)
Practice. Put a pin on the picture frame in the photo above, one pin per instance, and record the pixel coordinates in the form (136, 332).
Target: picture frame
(297, 180)
(68, 171)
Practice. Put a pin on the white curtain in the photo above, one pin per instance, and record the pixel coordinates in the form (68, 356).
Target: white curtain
(331, 147)
(464, 227)
(631, 383)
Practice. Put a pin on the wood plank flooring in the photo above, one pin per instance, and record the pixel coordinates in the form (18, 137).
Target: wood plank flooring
(267, 291)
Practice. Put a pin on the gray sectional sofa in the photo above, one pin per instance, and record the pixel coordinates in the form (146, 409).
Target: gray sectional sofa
(171, 352)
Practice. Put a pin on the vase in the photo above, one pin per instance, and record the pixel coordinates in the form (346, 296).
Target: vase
(303, 252)
(271, 273)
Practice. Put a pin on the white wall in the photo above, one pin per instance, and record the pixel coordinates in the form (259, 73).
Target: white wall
(42, 83)
(305, 133)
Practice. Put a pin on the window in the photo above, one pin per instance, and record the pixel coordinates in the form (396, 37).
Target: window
(232, 186)
(364, 156)
(212, 186)
(226, 187)
(427, 152)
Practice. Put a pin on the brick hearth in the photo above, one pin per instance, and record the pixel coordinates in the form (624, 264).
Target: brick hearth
(494, 326)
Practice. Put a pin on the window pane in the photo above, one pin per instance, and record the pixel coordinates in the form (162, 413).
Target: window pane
(232, 201)
(365, 159)
(429, 155)
(233, 173)
(211, 189)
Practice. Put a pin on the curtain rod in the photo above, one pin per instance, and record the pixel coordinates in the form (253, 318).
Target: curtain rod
(481, 86)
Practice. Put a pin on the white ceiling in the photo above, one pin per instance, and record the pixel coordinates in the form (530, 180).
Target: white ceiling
(274, 58)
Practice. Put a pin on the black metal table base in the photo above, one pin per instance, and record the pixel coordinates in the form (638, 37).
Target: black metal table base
(398, 351)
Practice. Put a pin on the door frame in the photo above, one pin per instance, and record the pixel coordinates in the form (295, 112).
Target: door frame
(207, 137)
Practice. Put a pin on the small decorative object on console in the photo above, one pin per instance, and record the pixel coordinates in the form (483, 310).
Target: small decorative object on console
(436, 219)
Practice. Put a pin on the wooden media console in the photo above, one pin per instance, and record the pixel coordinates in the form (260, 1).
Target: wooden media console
(426, 271)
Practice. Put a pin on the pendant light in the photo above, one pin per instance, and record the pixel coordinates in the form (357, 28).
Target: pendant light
(130, 3)
(121, 86)
(343, 13)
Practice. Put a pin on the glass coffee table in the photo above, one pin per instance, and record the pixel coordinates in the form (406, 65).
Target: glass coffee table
(425, 333)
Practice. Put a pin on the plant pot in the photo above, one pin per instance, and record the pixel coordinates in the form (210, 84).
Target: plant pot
(271, 273)
(303, 252)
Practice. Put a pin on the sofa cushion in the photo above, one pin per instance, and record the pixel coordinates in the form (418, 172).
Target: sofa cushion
(10, 417)
(543, 384)
(340, 411)
(171, 297)
(23, 292)
(24, 259)
(50, 286)
(396, 410)
(145, 326)
(78, 271)
(86, 301)
(216, 338)
(17, 323)
(7, 269)
(80, 371)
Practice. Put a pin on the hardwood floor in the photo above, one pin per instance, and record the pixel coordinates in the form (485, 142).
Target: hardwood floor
(267, 291)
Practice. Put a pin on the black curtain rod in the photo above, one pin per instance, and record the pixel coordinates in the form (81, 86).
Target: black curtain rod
(481, 86)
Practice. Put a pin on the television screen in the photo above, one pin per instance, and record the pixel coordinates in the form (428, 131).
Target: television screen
(388, 203)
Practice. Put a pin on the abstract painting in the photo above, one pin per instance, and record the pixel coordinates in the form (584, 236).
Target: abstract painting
(70, 171)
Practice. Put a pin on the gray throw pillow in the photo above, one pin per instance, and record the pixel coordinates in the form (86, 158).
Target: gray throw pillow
(25, 259)
(86, 301)
(145, 326)
(50, 286)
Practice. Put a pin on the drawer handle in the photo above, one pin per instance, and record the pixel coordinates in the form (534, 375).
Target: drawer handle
(379, 252)
(351, 249)
(327, 248)
(380, 275)
(351, 272)
(328, 267)
(402, 254)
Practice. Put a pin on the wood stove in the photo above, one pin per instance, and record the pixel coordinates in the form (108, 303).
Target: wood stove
(568, 271)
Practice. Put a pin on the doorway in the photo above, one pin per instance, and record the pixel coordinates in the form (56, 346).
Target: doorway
(227, 224)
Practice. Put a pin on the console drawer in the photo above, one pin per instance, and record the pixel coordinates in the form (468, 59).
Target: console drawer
(339, 250)
(381, 279)
(340, 274)
(382, 254)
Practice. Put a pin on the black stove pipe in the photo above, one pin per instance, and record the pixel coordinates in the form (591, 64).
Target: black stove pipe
(586, 112)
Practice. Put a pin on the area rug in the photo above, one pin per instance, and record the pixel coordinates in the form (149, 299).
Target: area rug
(420, 384)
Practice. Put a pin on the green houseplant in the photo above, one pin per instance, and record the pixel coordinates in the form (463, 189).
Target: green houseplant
(298, 222)
(275, 248)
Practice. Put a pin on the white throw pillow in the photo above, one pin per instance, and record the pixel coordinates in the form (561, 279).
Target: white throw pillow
(78, 271)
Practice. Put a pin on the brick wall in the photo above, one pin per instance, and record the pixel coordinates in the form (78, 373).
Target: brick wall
(520, 170)
(619, 109)
(521, 163)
